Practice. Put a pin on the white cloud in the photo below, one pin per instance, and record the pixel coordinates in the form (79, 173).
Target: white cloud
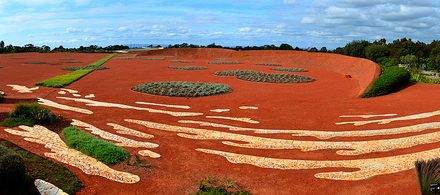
(307, 20)
(245, 30)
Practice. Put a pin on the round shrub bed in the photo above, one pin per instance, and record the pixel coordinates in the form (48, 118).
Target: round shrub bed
(188, 67)
(182, 89)
(254, 76)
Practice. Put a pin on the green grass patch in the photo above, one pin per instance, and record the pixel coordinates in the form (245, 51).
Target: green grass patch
(224, 62)
(102, 61)
(428, 172)
(30, 114)
(188, 67)
(290, 69)
(182, 89)
(99, 149)
(268, 64)
(213, 186)
(37, 167)
(254, 76)
(64, 80)
(391, 80)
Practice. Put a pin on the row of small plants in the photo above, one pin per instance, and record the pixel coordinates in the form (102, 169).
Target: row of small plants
(268, 64)
(254, 76)
(88, 67)
(391, 80)
(290, 69)
(224, 62)
(181, 61)
(188, 67)
(182, 89)
(153, 58)
(67, 79)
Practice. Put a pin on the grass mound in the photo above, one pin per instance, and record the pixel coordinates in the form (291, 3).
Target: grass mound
(224, 62)
(290, 69)
(29, 114)
(268, 64)
(36, 167)
(64, 80)
(85, 68)
(182, 89)
(254, 76)
(428, 172)
(212, 186)
(99, 149)
(188, 67)
(391, 80)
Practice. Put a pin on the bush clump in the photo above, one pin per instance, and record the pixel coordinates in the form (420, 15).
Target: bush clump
(213, 186)
(30, 114)
(391, 80)
(188, 67)
(182, 89)
(104, 151)
(428, 172)
(12, 169)
(254, 76)
(290, 69)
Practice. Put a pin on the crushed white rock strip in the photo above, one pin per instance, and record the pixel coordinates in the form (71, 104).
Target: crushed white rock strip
(22, 89)
(164, 105)
(62, 106)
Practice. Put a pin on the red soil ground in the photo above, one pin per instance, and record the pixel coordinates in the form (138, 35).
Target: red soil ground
(309, 106)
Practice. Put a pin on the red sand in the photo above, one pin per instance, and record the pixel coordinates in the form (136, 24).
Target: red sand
(314, 106)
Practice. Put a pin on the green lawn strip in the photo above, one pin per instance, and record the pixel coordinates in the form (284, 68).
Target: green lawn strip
(391, 80)
(64, 80)
(67, 79)
(102, 150)
(38, 167)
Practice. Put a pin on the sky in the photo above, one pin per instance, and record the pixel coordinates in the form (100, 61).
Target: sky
(302, 23)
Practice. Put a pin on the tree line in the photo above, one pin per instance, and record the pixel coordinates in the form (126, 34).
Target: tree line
(42, 49)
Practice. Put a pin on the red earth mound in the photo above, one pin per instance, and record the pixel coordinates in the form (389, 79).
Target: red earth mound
(315, 106)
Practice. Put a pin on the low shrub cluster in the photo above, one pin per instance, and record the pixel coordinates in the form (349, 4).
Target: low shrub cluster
(213, 186)
(391, 80)
(181, 61)
(64, 80)
(188, 67)
(419, 78)
(224, 62)
(428, 172)
(30, 114)
(268, 64)
(99, 149)
(290, 69)
(38, 167)
(12, 169)
(88, 67)
(254, 76)
(182, 89)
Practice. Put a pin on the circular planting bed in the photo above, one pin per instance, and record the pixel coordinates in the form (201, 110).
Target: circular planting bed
(182, 89)
(254, 76)
(188, 67)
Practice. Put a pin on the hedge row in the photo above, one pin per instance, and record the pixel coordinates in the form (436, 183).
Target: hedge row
(391, 80)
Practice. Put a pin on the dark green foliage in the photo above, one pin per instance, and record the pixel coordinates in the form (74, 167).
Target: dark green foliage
(212, 186)
(375, 52)
(268, 64)
(29, 114)
(2, 96)
(36, 63)
(290, 69)
(391, 80)
(86, 68)
(182, 89)
(428, 172)
(224, 62)
(12, 169)
(388, 62)
(254, 76)
(38, 167)
(188, 67)
(99, 149)
(355, 48)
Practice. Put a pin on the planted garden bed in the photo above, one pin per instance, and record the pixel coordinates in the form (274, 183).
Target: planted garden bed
(254, 76)
(188, 67)
(182, 89)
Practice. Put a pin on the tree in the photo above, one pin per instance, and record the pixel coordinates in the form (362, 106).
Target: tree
(356, 48)
(313, 49)
(2, 45)
(375, 52)
(285, 46)
(323, 49)
(409, 60)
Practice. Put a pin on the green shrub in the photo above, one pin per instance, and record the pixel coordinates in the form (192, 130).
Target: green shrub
(64, 80)
(428, 172)
(12, 169)
(254, 76)
(188, 67)
(29, 114)
(99, 149)
(182, 89)
(391, 80)
(212, 186)
(419, 78)
(290, 69)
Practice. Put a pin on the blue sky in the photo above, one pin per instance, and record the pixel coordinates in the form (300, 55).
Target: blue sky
(307, 23)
